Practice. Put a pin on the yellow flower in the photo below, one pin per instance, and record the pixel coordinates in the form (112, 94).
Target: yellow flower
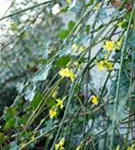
(120, 24)
(109, 46)
(60, 145)
(108, 65)
(69, 1)
(100, 65)
(67, 73)
(94, 100)
(52, 113)
(105, 65)
(59, 103)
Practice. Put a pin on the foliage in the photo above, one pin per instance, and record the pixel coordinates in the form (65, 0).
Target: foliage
(72, 78)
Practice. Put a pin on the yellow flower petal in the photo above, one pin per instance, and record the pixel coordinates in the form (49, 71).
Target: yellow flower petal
(105, 64)
(62, 141)
(108, 65)
(60, 103)
(52, 113)
(67, 73)
(60, 145)
(120, 24)
(109, 46)
(94, 100)
(100, 65)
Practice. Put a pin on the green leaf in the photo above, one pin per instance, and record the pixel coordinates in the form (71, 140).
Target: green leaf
(10, 113)
(36, 100)
(64, 9)
(42, 74)
(90, 3)
(63, 61)
(131, 39)
(2, 139)
(63, 34)
(42, 61)
(24, 119)
(87, 29)
(132, 105)
(51, 102)
(71, 25)
(9, 124)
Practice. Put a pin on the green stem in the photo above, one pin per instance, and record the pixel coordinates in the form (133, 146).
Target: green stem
(119, 81)
(24, 10)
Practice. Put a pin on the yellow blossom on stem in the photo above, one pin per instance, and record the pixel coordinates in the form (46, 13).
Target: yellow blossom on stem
(60, 103)
(60, 145)
(105, 64)
(52, 113)
(120, 24)
(100, 65)
(67, 73)
(109, 46)
(108, 65)
(94, 100)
